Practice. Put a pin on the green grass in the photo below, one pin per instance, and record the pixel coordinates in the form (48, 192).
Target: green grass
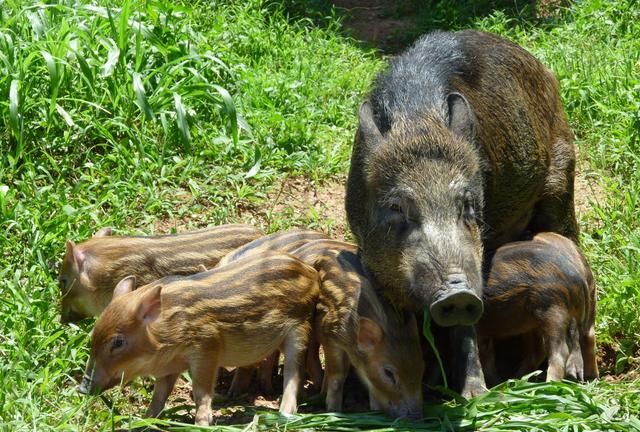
(143, 115)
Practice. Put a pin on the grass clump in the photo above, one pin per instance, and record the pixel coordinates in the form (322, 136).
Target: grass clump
(137, 115)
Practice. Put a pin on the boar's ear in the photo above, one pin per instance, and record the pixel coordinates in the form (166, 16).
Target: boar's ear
(202, 268)
(104, 232)
(368, 127)
(369, 335)
(77, 255)
(125, 286)
(461, 118)
(150, 305)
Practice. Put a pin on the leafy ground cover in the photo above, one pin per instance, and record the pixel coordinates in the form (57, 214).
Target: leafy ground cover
(161, 115)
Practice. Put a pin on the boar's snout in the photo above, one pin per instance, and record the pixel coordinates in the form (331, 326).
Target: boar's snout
(458, 305)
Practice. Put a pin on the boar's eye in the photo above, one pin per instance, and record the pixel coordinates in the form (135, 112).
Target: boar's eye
(117, 342)
(468, 211)
(396, 208)
(389, 375)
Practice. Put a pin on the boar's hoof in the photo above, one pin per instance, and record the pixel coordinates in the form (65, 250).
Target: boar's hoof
(460, 307)
(473, 389)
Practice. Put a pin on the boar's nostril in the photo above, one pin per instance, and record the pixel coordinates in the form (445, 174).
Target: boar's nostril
(457, 307)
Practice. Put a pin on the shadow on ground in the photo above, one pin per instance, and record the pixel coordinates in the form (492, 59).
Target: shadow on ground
(392, 25)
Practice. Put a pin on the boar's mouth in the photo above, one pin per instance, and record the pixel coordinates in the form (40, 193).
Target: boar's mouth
(456, 306)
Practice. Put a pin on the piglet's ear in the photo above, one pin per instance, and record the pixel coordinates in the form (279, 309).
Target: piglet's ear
(125, 286)
(370, 335)
(76, 253)
(104, 232)
(150, 305)
(202, 268)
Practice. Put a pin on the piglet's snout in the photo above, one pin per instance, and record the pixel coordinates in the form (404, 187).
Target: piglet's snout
(87, 385)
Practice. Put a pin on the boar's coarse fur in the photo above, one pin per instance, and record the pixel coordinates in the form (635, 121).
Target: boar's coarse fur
(461, 147)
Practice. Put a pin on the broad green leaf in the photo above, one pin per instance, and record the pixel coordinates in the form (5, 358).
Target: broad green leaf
(230, 111)
(65, 115)
(257, 160)
(112, 60)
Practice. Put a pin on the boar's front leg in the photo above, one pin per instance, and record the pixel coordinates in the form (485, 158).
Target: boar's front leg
(161, 391)
(467, 375)
(204, 372)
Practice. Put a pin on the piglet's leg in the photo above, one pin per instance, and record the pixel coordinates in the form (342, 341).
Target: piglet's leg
(204, 372)
(161, 391)
(241, 381)
(588, 347)
(533, 353)
(336, 369)
(575, 364)
(556, 328)
(314, 368)
(487, 351)
(294, 349)
(265, 372)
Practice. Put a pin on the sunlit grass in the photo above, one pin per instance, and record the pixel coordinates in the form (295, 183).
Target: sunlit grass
(148, 115)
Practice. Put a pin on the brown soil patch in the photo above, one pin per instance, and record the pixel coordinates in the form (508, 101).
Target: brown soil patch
(369, 21)
(240, 410)
(588, 189)
(303, 202)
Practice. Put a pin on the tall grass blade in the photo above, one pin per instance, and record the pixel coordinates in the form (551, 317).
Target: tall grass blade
(141, 97)
(230, 112)
(15, 118)
(183, 123)
(426, 331)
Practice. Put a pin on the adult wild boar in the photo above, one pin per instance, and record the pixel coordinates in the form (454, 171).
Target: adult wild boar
(462, 146)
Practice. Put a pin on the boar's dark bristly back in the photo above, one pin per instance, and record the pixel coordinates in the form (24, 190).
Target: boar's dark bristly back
(419, 80)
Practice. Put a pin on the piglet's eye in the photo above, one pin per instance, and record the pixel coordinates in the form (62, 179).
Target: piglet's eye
(391, 377)
(117, 342)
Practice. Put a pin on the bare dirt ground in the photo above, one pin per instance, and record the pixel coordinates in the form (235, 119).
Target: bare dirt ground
(370, 21)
